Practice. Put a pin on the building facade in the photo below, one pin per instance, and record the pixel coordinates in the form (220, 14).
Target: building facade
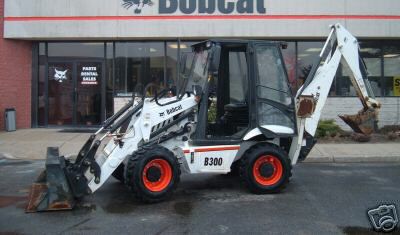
(73, 63)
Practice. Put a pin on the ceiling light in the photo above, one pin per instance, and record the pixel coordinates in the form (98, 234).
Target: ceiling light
(175, 46)
(370, 50)
(313, 50)
(391, 55)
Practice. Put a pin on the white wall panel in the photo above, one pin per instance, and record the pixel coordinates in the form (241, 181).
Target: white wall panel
(290, 24)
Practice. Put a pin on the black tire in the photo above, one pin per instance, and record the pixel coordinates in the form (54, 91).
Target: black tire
(235, 168)
(135, 175)
(119, 173)
(274, 169)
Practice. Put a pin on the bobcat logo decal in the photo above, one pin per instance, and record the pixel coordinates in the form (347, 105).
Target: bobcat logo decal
(137, 4)
(60, 76)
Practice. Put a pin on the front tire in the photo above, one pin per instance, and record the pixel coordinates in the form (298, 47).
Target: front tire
(152, 174)
(265, 168)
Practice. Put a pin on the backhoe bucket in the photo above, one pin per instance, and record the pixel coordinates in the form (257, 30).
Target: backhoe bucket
(51, 191)
(364, 122)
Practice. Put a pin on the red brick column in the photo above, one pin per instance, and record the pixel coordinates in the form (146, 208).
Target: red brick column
(15, 76)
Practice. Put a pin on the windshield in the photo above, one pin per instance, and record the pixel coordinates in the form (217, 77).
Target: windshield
(197, 75)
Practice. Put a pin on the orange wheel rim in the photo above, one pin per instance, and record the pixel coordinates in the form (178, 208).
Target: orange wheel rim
(164, 179)
(274, 164)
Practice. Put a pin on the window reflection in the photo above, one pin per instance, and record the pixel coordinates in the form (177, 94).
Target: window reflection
(289, 55)
(138, 64)
(186, 57)
(129, 64)
(391, 56)
(371, 53)
(109, 79)
(307, 54)
(72, 49)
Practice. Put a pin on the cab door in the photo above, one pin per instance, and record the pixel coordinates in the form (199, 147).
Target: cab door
(275, 110)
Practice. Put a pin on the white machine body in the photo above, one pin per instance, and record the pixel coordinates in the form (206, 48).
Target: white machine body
(219, 158)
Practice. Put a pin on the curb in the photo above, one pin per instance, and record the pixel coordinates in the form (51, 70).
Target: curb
(353, 159)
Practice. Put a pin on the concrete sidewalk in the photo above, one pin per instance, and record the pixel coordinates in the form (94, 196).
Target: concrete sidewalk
(32, 144)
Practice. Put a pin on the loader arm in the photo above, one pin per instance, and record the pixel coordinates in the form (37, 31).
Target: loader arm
(312, 96)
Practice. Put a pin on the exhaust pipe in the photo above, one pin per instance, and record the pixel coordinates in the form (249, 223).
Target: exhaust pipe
(51, 191)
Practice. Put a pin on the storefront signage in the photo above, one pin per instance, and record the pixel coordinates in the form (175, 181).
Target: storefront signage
(137, 4)
(199, 6)
(89, 76)
(396, 86)
(60, 75)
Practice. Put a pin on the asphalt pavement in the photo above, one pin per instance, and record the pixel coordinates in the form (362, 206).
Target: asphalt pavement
(322, 198)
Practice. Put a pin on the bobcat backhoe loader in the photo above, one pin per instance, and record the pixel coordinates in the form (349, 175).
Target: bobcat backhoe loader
(234, 111)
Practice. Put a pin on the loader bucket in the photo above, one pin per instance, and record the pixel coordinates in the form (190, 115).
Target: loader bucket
(363, 122)
(51, 191)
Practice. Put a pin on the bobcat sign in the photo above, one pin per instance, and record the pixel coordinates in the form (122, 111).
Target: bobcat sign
(199, 6)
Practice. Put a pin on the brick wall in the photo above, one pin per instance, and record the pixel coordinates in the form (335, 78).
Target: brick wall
(389, 113)
(15, 77)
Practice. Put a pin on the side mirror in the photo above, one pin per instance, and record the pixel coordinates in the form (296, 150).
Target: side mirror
(215, 59)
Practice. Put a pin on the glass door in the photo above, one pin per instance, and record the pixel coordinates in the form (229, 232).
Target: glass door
(61, 93)
(75, 91)
(89, 98)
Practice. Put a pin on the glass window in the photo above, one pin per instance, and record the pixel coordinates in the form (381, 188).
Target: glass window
(272, 86)
(60, 98)
(270, 115)
(198, 75)
(308, 52)
(42, 48)
(343, 85)
(109, 79)
(237, 77)
(88, 93)
(391, 58)
(371, 53)
(172, 60)
(272, 79)
(289, 55)
(186, 57)
(138, 64)
(71, 49)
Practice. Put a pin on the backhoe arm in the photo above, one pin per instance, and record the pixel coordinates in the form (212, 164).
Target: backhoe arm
(312, 96)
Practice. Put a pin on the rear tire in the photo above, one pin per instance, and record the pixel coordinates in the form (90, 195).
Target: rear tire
(152, 174)
(265, 168)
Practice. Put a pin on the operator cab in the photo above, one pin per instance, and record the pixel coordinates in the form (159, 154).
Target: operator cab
(245, 87)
